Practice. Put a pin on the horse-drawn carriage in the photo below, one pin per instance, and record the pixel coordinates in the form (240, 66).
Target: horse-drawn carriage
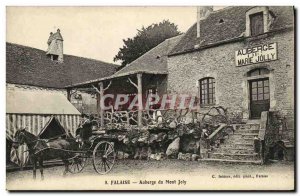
(101, 144)
(102, 151)
(73, 151)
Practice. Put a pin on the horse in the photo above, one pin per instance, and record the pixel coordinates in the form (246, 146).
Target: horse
(41, 150)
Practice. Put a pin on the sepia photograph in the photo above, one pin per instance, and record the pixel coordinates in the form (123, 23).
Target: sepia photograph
(150, 98)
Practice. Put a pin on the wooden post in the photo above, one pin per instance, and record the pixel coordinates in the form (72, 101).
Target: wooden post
(98, 102)
(127, 117)
(140, 99)
(101, 90)
(198, 97)
(69, 94)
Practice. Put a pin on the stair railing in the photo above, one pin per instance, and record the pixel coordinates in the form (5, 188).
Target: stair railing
(268, 133)
(221, 129)
(262, 134)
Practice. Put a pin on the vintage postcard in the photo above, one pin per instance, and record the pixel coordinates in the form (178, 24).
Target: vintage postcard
(150, 98)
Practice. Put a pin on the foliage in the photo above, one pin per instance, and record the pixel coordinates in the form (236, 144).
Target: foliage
(236, 118)
(146, 39)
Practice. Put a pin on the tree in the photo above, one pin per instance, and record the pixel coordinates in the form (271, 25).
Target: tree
(145, 40)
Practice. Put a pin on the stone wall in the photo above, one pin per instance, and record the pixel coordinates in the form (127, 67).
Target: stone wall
(185, 70)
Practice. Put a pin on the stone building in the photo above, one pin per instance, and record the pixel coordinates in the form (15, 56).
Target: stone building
(31, 69)
(241, 58)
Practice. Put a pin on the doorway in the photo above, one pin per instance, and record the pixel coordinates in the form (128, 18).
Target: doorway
(259, 97)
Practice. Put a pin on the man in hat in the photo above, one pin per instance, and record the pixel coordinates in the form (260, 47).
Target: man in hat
(83, 128)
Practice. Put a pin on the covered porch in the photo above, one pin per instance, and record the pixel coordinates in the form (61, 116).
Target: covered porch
(110, 91)
(142, 77)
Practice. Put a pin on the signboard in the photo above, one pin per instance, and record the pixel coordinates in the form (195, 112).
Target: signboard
(256, 54)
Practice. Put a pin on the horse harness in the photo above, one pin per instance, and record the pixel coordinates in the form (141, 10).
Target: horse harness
(46, 142)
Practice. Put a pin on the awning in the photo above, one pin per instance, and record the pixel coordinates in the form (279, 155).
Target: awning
(38, 102)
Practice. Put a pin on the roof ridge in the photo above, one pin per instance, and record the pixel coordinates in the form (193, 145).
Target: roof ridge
(23, 46)
(91, 59)
(224, 9)
(227, 7)
(175, 37)
(72, 55)
(128, 65)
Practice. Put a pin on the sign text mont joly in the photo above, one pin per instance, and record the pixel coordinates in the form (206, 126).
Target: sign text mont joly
(256, 54)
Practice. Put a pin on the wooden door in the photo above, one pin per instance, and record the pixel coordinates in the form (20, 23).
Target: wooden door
(259, 97)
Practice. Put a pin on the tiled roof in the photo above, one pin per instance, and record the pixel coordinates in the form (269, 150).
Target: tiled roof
(212, 31)
(152, 62)
(155, 60)
(31, 66)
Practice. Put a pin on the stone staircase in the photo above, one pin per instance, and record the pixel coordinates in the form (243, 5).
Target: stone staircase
(238, 147)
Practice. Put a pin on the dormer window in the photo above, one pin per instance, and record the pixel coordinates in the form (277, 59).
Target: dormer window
(256, 24)
(54, 57)
(258, 21)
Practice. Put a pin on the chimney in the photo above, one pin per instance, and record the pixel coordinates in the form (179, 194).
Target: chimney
(55, 46)
(202, 13)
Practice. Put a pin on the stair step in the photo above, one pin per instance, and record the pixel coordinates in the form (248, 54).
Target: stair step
(244, 134)
(240, 138)
(237, 146)
(245, 143)
(231, 161)
(247, 131)
(250, 134)
(246, 126)
(228, 156)
(234, 150)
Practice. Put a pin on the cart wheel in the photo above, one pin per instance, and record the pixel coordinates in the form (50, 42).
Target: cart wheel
(77, 164)
(104, 157)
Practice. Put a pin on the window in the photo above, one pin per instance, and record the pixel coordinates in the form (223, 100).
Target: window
(207, 91)
(256, 24)
(54, 57)
(259, 20)
(257, 72)
(260, 90)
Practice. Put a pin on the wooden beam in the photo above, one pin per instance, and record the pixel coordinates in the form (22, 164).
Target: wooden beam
(69, 94)
(134, 84)
(140, 99)
(98, 102)
(110, 82)
(96, 89)
(101, 94)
